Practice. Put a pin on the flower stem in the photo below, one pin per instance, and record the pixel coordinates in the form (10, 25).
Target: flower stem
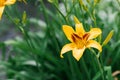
(99, 64)
(118, 2)
(85, 68)
(26, 37)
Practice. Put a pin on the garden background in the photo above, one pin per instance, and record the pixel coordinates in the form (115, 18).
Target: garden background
(31, 39)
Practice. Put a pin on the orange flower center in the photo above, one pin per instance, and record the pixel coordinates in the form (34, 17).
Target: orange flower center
(80, 42)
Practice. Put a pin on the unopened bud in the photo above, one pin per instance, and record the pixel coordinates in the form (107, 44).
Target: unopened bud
(108, 37)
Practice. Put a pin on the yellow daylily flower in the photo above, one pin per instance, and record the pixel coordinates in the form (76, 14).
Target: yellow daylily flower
(3, 3)
(80, 39)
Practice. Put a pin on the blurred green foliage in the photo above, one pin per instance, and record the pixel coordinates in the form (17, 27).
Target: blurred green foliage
(34, 53)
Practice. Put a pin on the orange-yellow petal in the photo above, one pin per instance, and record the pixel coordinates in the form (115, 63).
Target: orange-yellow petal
(77, 53)
(94, 32)
(2, 3)
(1, 11)
(76, 20)
(66, 48)
(9, 2)
(79, 29)
(94, 44)
(68, 30)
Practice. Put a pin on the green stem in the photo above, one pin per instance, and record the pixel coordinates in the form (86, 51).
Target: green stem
(82, 14)
(9, 17)
(70, 10)
(118, 2)
(61, 14)
(72, 68)
(92, 16)
(85, 68)
(3, 51)
(99, 64)
(50, 29)
(102, 65)
(66, 5)
(26, 36)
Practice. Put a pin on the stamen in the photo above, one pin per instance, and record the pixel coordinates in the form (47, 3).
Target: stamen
(76, 36)
(73, 38)
(85, 37)
(77, 40)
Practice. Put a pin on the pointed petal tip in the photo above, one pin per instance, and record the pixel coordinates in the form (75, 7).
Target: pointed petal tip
(68, 30)
(61, 56)
(66, 26)
(77, 59)
(76, 20)
(94, 44)
(100, 50)
(80, 29)
(66, 48)
(78, 53)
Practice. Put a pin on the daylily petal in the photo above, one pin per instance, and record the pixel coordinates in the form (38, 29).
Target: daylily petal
(1, 11)
(66, 48)
(77, 53)
(94, 32)
(76, 20)
(2, 3)
(79, 29)
(94, 44)
(8, 2)
(68, 30)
